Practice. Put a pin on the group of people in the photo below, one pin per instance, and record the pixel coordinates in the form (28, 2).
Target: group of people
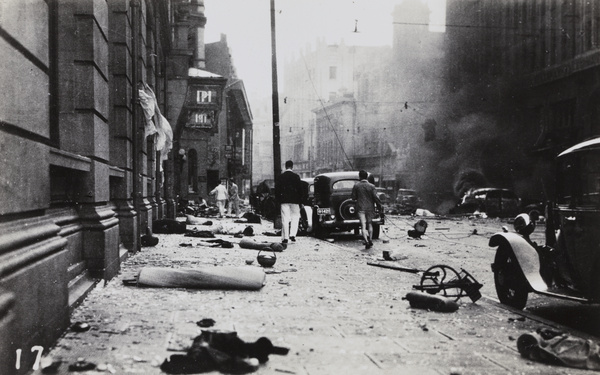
(224, 195)
(289, 195)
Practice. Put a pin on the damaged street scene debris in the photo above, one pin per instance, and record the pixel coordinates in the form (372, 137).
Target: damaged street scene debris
(417, 191)
(222, 351)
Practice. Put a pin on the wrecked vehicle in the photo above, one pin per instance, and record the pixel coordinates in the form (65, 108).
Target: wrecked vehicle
(386, 200)
(262, 199)
(494, 202)
(407, 201)
(334, 210)
(568, 264)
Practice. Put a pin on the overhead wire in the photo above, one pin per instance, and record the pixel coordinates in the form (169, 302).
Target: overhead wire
(347, 158)
(489, 27)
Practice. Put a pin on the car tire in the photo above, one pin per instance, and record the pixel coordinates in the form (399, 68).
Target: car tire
(317, 230)
(376, 231)
(511, 287)
(348, 210)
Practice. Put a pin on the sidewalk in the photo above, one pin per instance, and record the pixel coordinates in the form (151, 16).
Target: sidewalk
(336, 314)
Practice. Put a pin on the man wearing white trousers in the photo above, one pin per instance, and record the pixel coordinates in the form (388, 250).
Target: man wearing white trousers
(220, 193)
(288, 195)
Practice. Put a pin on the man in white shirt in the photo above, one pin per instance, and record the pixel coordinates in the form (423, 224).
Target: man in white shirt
(220, 193)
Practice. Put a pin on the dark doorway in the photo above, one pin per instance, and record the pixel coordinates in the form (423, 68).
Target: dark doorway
(212, 179)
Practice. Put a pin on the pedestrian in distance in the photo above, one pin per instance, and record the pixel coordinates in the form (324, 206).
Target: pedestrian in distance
(234, 198)
(365, 195)
(288, 195)
(220, 193)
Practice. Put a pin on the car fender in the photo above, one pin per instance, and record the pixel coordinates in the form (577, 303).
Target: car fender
(526, 255)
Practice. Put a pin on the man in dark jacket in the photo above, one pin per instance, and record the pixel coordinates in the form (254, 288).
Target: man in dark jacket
(288, 194)
(365, 195)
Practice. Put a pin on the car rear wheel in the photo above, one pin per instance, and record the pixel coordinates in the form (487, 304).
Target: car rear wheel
(511, 286)
(348, 210)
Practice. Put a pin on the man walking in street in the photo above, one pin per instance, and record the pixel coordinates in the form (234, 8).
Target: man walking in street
(220, 193)
(234, 198)
(365, 195)
(288, 195)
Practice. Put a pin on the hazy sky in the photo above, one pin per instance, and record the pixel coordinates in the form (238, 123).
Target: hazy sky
(247, 24)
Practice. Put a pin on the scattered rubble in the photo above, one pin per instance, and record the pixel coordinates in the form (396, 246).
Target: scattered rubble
(427, 301)
(557, 348)
(222, 351)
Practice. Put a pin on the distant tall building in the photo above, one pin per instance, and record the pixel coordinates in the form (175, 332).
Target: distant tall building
(320, 77)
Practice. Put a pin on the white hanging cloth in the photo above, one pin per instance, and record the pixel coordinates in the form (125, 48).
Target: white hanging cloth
(159, 125)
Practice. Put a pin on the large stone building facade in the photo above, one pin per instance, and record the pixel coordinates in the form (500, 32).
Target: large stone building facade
(81, 181)
(532, 67)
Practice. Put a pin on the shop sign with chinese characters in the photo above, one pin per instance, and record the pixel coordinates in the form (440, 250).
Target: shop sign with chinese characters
(203, 102)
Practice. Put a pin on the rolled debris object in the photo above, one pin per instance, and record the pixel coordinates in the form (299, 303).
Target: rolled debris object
(430, 302)
(251, 244)
(210, 277)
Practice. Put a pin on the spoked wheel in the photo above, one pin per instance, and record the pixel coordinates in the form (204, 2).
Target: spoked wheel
(511, 286)
(440, 279)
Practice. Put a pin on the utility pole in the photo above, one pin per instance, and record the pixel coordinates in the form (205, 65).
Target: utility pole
(276, 146)
(136, 194)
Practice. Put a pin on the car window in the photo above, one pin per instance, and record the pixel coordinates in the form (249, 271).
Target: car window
(590, 189)
(579, 180)
(494, 194)
(480, 195)
(344, 184)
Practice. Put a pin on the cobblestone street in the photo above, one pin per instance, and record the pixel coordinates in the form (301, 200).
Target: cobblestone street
(335, 313)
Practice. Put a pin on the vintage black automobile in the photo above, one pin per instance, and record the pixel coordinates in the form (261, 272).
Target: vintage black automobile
(262, 199)
(495, 202)
(568, 264)
(333, 208)
(407, 201)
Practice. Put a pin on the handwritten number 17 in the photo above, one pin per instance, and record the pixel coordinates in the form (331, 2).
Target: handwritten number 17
(38, 358)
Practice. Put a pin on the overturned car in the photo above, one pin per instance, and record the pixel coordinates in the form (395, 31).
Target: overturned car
(568, 264)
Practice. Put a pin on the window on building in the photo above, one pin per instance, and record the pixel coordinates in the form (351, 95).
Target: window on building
(333, 72)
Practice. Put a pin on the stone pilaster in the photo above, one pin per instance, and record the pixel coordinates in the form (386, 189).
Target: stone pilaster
(101, 240)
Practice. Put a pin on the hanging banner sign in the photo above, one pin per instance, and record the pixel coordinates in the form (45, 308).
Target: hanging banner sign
(201, 119)
(202, 105)
(204, 96)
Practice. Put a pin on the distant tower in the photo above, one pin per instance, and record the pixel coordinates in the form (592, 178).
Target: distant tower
(198, 21)
(412, 38)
